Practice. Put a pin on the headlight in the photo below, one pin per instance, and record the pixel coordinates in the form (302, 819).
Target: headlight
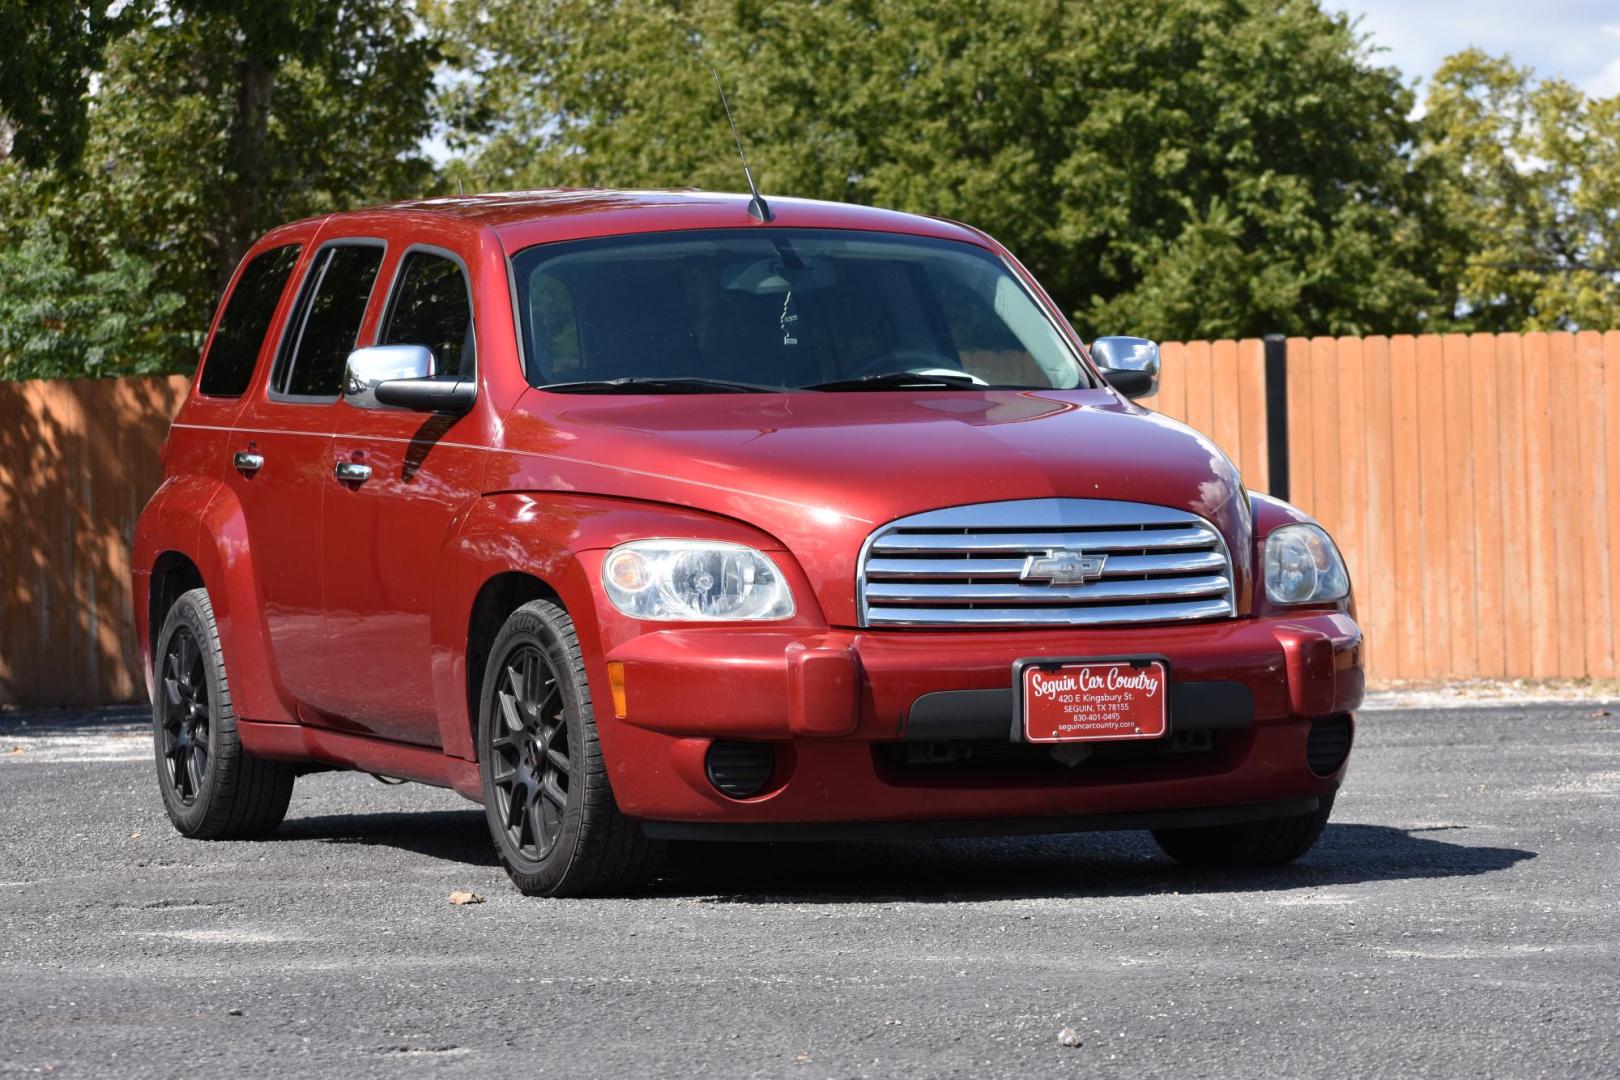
(694, 580)
(1303, 567)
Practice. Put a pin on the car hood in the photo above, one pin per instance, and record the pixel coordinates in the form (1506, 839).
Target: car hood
(820, 471)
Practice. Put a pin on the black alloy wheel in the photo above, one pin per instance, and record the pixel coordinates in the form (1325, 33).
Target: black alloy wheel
(213, 787)
(530, 769)
(187, 716)
(551, 812)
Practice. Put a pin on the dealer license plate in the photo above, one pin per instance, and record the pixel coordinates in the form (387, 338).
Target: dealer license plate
(1092, 701)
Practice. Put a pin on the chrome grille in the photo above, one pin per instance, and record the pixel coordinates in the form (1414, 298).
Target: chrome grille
(966, 566)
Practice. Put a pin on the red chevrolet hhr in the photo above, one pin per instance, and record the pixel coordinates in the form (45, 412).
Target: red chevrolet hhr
(639, 516)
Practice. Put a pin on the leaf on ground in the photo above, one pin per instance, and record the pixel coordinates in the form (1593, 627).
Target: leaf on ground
(459, 898)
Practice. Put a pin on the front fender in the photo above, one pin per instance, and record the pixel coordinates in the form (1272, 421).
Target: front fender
(1270, 512)
(549, 536)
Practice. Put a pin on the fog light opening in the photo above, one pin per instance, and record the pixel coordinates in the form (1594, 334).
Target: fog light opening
(740, 770)
(1328, 745)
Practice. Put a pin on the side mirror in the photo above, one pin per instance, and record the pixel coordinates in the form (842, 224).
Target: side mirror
(1130, 364)
(401, 377)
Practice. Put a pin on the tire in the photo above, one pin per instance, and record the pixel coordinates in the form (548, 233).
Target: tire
(550, 809)
(212, 788)
(1250, 844)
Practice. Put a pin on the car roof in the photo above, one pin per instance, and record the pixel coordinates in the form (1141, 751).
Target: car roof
(522, 218)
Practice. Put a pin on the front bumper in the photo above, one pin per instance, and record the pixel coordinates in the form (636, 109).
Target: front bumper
(839, 708)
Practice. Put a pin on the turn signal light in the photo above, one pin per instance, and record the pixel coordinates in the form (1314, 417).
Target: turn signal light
(616, 685)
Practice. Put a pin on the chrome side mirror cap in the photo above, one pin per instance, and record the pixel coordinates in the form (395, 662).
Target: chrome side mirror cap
(370, 367)
(1130, 364)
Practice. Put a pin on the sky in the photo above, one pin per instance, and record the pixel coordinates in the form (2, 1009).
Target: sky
(1578, 40)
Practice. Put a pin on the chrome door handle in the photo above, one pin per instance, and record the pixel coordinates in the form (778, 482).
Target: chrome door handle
(248, 461)
(353, 472)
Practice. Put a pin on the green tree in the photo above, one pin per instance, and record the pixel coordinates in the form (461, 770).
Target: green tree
(212, 121)
(249, 115)
(1170, 167)
(56, 322)
(48, 51)
(1523, 182)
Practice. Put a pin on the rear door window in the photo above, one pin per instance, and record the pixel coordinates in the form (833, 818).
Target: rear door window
(431, 307)
(326, 324)
(228, 368)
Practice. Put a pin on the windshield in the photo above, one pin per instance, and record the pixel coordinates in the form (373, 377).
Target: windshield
(777, 309)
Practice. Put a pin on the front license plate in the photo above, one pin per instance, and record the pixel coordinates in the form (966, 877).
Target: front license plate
(1095, 701)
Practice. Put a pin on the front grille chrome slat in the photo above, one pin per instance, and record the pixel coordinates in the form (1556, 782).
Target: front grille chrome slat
(963, 566)
(1195, 562)
(914, 543)
(894, 592)
(1022, 616)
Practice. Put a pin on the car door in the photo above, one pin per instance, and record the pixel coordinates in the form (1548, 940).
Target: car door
(242, 340)
(280, 459)
(416, 472)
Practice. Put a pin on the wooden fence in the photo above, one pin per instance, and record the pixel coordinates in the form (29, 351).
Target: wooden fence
(78, 460)
(1473, 483)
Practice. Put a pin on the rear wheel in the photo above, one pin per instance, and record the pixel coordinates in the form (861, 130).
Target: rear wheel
(212, 788)
(1254, 843)
(556, 827)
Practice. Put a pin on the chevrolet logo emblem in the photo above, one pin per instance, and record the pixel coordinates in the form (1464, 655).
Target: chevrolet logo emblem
(1063, 567)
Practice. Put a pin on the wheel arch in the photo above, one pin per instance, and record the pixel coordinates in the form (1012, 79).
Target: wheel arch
(497, 598)
(513, 547)
(173, 573)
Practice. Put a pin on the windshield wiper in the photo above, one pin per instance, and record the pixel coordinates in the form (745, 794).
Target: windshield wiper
(887, 380)
(643, 384)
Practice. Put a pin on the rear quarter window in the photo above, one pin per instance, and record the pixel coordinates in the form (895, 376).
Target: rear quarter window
(228, 368)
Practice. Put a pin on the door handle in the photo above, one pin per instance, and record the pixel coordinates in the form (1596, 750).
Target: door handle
(249, 462)
(352, 472)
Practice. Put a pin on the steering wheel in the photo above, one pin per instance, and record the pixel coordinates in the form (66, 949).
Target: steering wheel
(916, 361)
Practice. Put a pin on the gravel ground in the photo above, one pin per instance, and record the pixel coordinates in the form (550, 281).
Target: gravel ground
(1459, 917)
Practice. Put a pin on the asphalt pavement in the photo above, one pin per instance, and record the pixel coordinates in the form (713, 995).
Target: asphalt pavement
(1460, 917)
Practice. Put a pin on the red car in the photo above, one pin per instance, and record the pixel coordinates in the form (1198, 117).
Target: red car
(644, 516)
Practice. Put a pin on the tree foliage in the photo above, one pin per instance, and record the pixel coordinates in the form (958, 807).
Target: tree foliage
(1173, 167)
(214, 120)
(1523, 180)
(56, 322)
(48, 51)
(251, 115)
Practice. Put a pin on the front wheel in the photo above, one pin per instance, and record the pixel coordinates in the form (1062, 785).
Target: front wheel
(551, 812)
(1249, 844)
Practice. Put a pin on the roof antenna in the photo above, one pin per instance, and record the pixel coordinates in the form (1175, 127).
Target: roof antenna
(756, 205)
